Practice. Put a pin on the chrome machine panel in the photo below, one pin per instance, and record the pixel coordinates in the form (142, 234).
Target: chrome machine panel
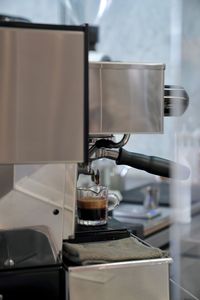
(43, 93)
(138, 280)
(126, 98)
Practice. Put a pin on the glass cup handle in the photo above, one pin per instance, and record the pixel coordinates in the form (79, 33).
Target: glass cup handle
(113, 201)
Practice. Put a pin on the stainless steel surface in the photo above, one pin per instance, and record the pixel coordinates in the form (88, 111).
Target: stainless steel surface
(176, 100)
(138, 280)
(111, 154)
(86, 169)
(43, 195)
(122, 142)
(69, 220)
(119, 144)
(41, 95)
(101, 151)
(105, 153)
(126, 98)
(6, 179)
(29, 212)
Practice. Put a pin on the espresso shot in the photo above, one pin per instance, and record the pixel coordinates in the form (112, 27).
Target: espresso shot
(92, 211)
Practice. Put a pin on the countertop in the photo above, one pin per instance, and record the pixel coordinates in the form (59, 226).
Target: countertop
(133, 198)
(152, 225)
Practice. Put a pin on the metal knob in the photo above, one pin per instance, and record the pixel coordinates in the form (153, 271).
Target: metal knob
(9, 263)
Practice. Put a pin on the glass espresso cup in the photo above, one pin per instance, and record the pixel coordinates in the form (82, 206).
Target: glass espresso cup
(93, 204)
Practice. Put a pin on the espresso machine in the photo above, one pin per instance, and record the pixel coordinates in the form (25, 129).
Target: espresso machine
(59, 114)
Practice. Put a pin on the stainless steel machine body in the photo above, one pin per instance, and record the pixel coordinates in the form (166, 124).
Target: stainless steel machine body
(39, 111)
(126, 98)
(132, 280)
(39, 115)
(44, 134)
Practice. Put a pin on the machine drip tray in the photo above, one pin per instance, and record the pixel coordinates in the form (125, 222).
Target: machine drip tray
(24, 248)
(111, 231)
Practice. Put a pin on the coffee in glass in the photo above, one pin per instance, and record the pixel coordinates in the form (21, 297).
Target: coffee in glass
(93, 204)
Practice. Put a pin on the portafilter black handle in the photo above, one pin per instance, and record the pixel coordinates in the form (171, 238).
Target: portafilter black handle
(152, 164)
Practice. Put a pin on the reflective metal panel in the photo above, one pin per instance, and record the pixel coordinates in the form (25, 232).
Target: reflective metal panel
(6, 179)
(126, 98)
(41, 95)
(43, 197)
(136, 280)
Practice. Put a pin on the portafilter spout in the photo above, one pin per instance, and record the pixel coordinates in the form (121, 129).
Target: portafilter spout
(97, 142)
